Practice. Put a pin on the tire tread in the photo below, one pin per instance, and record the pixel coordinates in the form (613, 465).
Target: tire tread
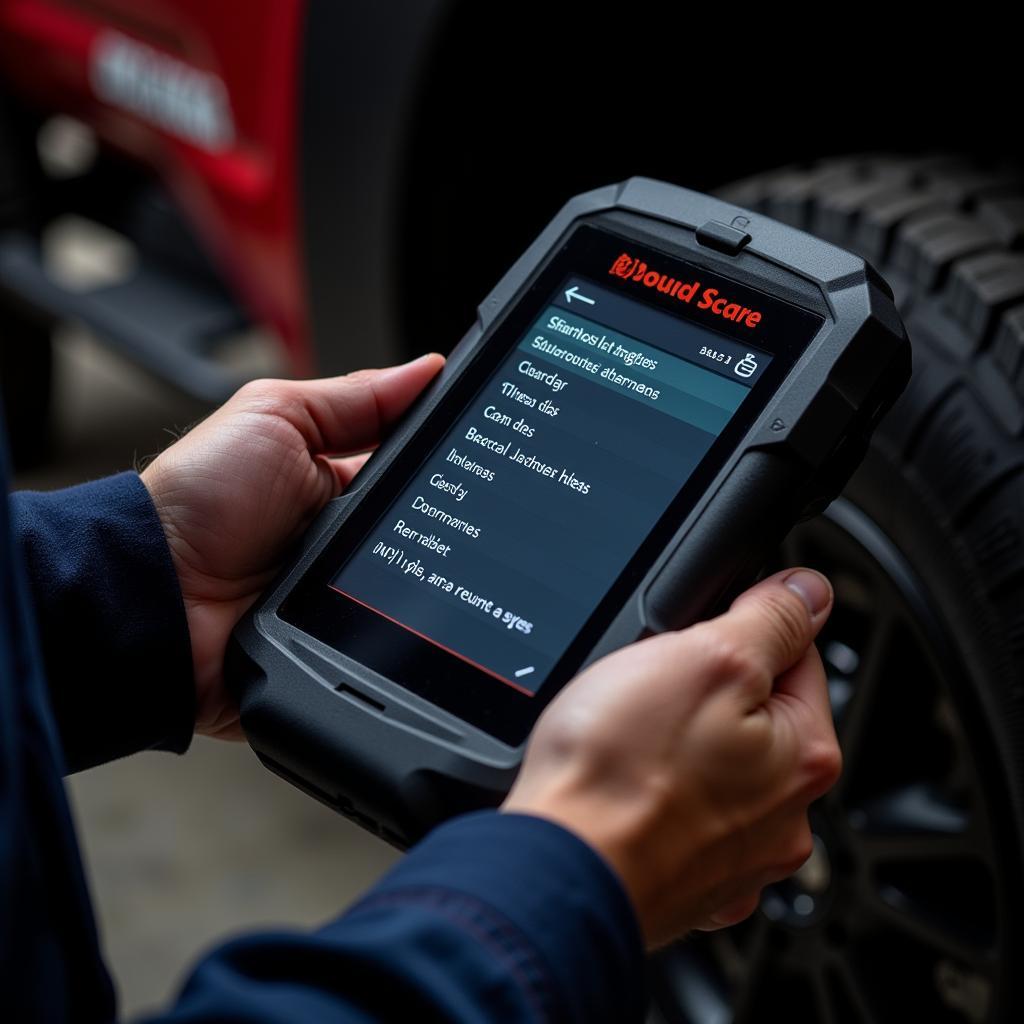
(947, 234)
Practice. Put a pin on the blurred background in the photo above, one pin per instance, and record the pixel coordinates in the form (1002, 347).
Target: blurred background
(192, 194)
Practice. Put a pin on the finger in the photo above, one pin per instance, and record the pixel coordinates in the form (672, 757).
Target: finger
(732, 913)
(801, 694)
(344, 469)
(772, 624)
(782, 843)
(806, 684)
(339, 415)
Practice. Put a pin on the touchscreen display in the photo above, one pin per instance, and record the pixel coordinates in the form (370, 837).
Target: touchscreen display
(501, 545)
(614, 390)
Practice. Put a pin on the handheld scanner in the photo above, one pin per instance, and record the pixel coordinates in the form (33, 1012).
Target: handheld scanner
(652, 395)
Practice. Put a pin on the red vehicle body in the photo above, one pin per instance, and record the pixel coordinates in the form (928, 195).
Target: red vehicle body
(241, 195)
(246, 151)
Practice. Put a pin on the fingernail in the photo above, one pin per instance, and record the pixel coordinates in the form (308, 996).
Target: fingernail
(812, 588)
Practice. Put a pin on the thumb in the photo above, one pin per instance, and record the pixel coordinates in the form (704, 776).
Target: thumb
(353, 412)
(772, 624)
(341, 415)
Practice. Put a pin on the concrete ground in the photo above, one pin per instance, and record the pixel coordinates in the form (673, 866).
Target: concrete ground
(184, 851)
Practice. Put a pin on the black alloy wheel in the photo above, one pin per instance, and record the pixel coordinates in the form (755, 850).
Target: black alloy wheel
(901, 909)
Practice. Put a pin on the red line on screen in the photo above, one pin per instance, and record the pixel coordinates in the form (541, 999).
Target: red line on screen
(431, 640)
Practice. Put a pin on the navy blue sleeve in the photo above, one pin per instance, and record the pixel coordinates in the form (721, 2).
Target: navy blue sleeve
(111, 619)
(492, 918)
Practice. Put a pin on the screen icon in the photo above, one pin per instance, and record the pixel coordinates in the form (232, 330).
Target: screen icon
(575, 293)
(746, 366)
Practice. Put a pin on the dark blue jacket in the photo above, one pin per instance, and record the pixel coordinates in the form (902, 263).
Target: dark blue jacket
(492, 918)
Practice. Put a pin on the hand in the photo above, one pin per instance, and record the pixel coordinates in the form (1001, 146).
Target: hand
(689, 759)
(239, 488)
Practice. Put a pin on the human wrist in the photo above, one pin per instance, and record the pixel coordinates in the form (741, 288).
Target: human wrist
(617, 831)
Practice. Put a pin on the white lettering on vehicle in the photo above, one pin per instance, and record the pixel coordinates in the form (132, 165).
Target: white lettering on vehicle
(167, 92)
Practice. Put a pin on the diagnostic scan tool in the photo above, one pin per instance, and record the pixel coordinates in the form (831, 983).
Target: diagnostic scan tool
(652, 395)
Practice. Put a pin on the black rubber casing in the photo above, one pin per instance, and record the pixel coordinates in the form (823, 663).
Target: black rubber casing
(399, 765)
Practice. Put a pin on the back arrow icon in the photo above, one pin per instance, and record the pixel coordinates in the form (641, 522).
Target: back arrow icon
(575, 293)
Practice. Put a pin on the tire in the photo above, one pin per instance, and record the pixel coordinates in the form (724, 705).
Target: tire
(910, 906)
(26, 349)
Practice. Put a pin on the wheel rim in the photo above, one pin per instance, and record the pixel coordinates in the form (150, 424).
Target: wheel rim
(903, 908)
